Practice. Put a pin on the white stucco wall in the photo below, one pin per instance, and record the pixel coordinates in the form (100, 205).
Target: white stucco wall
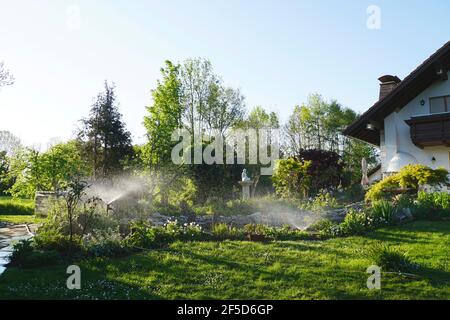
(397, 133)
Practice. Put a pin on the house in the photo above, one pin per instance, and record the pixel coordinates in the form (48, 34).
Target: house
(410, 123)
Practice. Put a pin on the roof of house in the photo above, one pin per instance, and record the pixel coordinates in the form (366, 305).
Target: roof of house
(417, 81)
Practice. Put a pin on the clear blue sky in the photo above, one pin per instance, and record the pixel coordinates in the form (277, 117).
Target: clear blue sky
(276, 52)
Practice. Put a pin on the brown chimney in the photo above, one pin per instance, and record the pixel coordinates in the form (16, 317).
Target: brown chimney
(388, 83)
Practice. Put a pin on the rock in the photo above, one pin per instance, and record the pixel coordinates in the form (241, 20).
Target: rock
(403, 215)
(338, 215)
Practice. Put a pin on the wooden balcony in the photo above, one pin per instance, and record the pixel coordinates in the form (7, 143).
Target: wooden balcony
(430, 130)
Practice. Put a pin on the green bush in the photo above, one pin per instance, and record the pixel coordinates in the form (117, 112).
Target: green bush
(105, 243)
(291, 179)
(144, 235)
(21, 249)
(51, 238)
(410, 178)
(322, 225)
(27, 256)
(222, 231)
(432, 205)
(322, 201)
(389, 258)
(285, 233)
(404, 201)
(353, 193)
(381, 213)
(355, 223)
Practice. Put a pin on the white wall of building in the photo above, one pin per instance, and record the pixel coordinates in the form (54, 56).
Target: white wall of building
(397, 133)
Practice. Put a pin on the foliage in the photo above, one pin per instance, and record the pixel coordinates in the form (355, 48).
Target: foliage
(104, 243)
(404, 201)
(52, 238)
(222, 231)
(259, 118)
(285, 233)
(318, 124)
(164, 116)
(353, 193)
(431, 205)
(72, 219)
(72, 197)
(389, 258)
(312, 172)
(325, 170)
(191, 96)
(355, 223)
(323, 201)
(6, 181)
(103, 139)
(382, 213)
(291, 178)
(361, 222)
(410, 177)
(26, 256)
(144, 235)
(207, 103)
(48, 171)
(214, 180)
(322, 226)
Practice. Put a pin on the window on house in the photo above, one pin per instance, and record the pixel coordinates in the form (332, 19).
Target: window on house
(440, 104)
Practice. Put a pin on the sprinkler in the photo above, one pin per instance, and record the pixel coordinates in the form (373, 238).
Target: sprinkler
(109, 207)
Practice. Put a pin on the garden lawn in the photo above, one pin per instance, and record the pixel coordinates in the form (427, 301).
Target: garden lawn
(11, 206)
(21, 219)
(17, 211)
(332, 269)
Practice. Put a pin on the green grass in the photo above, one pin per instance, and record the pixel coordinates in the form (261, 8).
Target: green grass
(17, 211)
(21, 219)
(11, 206)
(332, 269)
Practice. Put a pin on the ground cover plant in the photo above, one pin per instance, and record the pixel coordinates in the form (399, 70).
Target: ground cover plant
(329, 269)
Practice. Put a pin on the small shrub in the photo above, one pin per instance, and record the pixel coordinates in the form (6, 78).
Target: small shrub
(322, 201)
(353, 193)
(105, 243)
(21, 249)
(291, 179)
(286, 233)
(222, 231)
(355, 223)
(404, 201)
(432, 205)
(321, 225)
(144, 235)
(381, 213)
(261, 232)
(389, 258)
(27, 256)
(51, 238)
(192, 232)
(409, 177)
